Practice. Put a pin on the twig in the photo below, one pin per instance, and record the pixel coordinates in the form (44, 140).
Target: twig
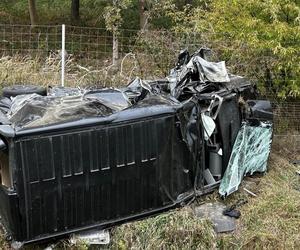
(249, 192)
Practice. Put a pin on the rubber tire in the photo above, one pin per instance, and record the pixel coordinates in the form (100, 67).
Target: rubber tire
(15, 90)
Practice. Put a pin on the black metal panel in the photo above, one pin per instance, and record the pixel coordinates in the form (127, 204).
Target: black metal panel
(99, 174)
(229, 123)
(9, 211)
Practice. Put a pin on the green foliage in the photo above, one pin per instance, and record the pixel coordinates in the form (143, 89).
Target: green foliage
(265, 34)
(112, 14)
(171, 14)
(53, 12)
(161, 46)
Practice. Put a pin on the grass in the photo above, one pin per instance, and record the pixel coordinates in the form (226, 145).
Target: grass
(3, 243)
(272, 220)
(178, 229)
(46, 70)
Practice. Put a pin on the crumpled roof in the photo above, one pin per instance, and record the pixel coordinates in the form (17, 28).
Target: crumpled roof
(35, 110)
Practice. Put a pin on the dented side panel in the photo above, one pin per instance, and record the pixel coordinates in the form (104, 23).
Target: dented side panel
(101, 174)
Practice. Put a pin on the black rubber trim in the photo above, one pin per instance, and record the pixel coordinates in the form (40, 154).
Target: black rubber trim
(22, 89)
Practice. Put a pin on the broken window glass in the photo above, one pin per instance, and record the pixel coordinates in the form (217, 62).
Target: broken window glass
(249, 154)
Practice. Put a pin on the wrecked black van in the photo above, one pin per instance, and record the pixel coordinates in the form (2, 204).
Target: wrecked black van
(76, 159)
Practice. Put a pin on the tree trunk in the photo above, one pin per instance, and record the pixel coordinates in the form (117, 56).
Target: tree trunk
(115, 48)
(75, 17)
(32, 12)
(189, 2)
(143, 18)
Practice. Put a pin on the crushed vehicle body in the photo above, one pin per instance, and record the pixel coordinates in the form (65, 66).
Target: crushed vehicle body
(77, 159)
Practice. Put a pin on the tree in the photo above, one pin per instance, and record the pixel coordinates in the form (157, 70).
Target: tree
(113, 21)
(32, 12)
(260, 39)
(75, 17)
(143, 16)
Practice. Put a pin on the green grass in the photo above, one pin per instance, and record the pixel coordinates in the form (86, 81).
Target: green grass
(178, 229)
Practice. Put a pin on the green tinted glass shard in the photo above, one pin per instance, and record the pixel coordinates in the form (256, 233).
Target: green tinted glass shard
(249, 154)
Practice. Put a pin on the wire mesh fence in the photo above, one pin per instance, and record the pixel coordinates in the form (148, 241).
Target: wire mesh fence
(287, 129)
(33, 54)
(287, 145)
(287, 118)
(93, 46)
(154, 50)
(24, 39)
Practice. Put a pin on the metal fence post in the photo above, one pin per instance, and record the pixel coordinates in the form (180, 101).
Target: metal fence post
(63, 37)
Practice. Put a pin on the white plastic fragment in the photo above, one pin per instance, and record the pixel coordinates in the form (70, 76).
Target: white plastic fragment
(92, 237)
(209, 125)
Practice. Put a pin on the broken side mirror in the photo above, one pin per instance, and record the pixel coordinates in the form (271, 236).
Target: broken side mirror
(260, 109)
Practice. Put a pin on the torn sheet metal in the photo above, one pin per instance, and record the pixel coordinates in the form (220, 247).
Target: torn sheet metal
(137, 90)
(35, 110)
(62, 91)
(65, 105)
(4, 104)
(69, 104)
(249, 154)
(205, 70)
(195, 68)
(112, 98)
(211, 71)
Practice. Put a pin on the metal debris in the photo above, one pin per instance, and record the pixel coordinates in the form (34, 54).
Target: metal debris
(92, 237)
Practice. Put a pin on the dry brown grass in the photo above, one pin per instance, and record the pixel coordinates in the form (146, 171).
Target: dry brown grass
(20, 69)
(46, 71)
(3, 242)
